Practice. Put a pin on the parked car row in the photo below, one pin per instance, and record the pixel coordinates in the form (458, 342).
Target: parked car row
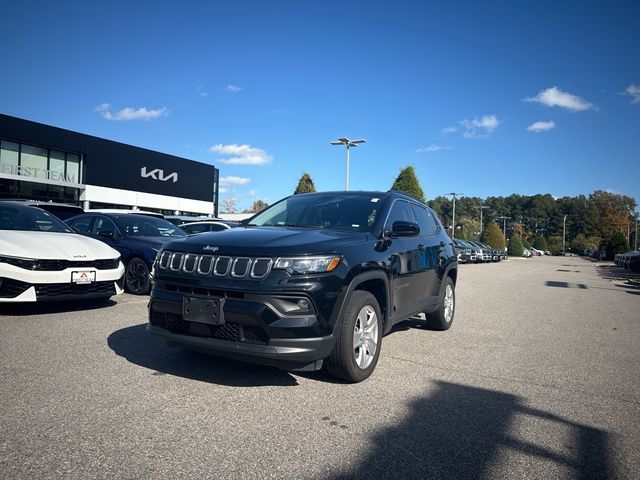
(477, 252)
(34, 235)
(629, 260)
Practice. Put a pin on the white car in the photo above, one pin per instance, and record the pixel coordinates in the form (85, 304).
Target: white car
(43, 259)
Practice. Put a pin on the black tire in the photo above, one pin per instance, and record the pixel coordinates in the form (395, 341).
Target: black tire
(355, 364)
(136, 277)
(442, 319)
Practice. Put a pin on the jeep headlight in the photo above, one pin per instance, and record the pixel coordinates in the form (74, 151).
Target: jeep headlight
(303, 265)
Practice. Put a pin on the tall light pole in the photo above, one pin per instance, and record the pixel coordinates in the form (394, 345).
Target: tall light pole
(504, 227)
(564, 231)
(453, 220)
(482, 207)
(348, 143)
(636, 239)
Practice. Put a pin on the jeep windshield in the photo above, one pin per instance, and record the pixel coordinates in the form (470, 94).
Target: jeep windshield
(349, 211)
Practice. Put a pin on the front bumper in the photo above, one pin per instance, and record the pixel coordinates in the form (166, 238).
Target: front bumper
(20, 285)
(258, 326)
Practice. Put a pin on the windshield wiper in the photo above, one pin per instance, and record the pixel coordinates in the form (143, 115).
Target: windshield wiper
(301, 225)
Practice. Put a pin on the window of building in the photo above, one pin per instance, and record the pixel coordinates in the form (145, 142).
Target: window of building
(34, 159)
(73, 167)
(9, 152)
(56, 165)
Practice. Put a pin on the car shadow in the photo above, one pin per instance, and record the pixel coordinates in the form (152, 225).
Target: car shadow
(138, 347)
(43, 308)
(461, 432)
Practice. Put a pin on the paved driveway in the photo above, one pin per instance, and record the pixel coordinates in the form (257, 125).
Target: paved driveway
(538, 378)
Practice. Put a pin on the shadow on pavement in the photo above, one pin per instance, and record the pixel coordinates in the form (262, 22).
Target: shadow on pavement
(460, 432)
(140, 348)
(44, 308)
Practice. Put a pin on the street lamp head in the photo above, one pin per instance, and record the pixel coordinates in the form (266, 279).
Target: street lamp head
(336, 142)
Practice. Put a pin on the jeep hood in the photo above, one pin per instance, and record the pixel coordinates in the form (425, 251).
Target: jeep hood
(268, 241)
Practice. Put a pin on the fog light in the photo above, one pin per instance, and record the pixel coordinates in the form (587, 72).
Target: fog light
(303, 304)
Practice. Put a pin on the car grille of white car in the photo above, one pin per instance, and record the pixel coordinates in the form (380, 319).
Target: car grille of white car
(221, 266)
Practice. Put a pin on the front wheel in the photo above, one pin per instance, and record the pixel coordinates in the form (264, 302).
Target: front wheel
(442, 318)
(357, 348)
(136, 277)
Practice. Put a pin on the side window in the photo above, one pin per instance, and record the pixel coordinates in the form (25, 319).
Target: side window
(400, 211)
(102, 225)
(214, 227)
(425, 222)
(82, 224)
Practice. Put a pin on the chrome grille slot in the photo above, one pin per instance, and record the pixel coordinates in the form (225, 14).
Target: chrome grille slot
(176, 262)
(205, 264)
(218, 266)
(190, 263)
(241, 266)
(165, 259)
(222, 267)
(261, 267)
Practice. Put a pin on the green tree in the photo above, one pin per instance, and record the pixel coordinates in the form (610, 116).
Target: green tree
(305, 185)
(257, 206)
(407, 182)
(554, 245)
(616, 244)
(540, 243)
(515, 248)
(492, 236)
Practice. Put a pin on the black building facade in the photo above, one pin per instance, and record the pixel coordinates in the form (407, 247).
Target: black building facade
(42, 162)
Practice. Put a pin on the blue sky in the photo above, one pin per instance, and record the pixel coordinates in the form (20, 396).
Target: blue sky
(259, 89)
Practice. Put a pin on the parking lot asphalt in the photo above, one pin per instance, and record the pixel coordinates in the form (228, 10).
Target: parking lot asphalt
(537, 378)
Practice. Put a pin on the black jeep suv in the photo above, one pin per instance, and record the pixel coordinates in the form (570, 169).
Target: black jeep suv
(314, 279)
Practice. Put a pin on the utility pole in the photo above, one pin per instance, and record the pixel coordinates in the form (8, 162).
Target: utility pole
(348, 143)
(482, 207)
(504, 227)
(453, 221)
(564, 230)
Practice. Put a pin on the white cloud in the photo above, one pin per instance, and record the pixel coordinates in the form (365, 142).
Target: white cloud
(201, 91)
(231, 180)
(554, 97)
(634, 92)
(541, 126)
(241, 154)
(448, 130)
(480, 127)
(234, 88)
(433, 148)
(223, 190)
(129, 113)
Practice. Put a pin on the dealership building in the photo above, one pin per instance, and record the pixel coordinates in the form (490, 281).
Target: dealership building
(41, 162)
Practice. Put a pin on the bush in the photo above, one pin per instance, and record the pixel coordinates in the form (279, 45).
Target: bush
(540, 243)
(515, 248)
(616, 244)
(554, 244)
(492, 236)
(407, 182)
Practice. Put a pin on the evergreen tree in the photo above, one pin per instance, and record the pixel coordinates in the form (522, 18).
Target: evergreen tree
(492, 236)
(616, 244)
(305, 185)
(515, 248)
(407, 182)
(540, 243)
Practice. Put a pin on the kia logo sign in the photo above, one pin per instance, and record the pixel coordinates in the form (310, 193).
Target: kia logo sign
(158, 174)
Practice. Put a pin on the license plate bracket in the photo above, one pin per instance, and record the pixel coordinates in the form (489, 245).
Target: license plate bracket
(83, 277)
(203, 310)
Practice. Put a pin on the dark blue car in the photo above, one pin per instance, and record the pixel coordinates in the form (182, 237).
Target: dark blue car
(137, 237)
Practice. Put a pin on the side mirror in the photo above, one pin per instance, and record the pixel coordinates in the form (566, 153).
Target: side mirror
(107, 233)
(401, 228)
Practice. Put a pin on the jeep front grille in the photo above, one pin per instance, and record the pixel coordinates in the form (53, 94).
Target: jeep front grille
(217, 266)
